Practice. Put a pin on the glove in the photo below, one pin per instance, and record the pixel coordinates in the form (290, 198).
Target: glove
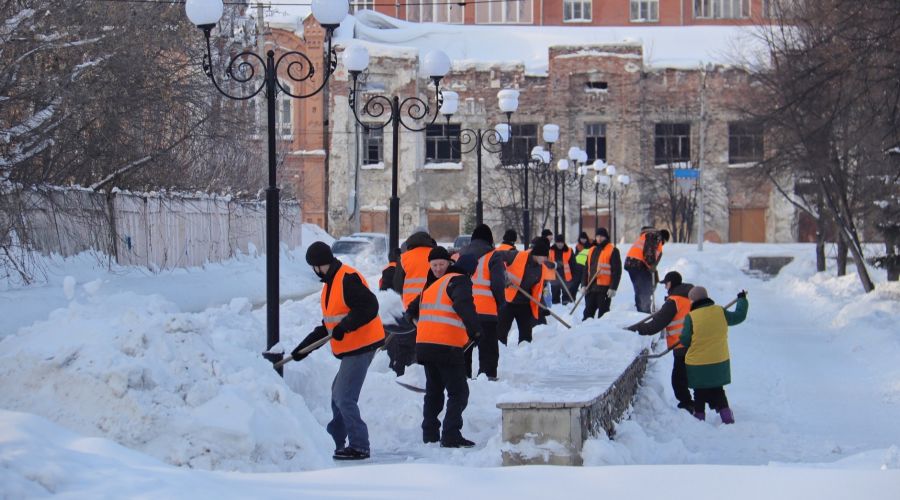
(550, 265)
(610, 293)
(742, 294)
(338, 333)
(295, 354)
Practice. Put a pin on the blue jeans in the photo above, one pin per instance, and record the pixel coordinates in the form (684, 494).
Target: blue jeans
(346, 420)
(642, 280)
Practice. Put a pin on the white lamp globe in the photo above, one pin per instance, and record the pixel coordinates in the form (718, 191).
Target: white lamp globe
(599, 165)
(551, 133)
(330, 12)
(451, 102)
(604, 179)
(624, 180)
(582, 156)
(356, 58)
(545, 157)
(573, 153)
(509, 100)
(204, 12)
(503, 131)
(562, 165)
(537, 151)
(436, 64)
(610, 170)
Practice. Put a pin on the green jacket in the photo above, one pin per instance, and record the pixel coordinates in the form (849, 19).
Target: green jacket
(705, 335)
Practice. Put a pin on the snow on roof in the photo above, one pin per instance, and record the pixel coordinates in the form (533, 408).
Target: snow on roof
(664, 47)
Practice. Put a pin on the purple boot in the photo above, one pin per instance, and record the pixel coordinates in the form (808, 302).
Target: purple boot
(727, 415)
(699, 415)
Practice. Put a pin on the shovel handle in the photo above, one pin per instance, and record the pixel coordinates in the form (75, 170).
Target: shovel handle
(583, 293)
(306, 350)
(539, 304)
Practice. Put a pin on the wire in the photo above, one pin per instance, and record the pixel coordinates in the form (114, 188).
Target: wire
(461, 3)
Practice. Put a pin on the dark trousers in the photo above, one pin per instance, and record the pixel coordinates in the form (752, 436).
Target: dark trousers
(680, 381)
(438, 378)
(596, 301)
(642, 280)
(715, 397)
(488, 350)
(557, 294)
(524, 320)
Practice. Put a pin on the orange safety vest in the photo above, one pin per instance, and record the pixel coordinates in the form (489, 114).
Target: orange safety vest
(438, 322)
(516, 272)
(604, 276)
(505, 247)
(485, 303)
(381, 280)
(637, 250)
(673, 329)
(567, 270)
(415, 265)
(336, 310)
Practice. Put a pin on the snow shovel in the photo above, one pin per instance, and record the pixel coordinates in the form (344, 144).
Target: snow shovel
(393, 332)
(419, 389)
(563, 284)
(583, 293)
(306, 350)
(541, 305)
(667, 351)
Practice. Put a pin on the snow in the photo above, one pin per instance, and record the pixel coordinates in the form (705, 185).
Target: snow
(153, 386)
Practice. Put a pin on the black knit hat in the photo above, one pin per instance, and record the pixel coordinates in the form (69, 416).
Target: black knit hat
(540, 247)
(559, 238)
(673, 277)
(510, 236)
(583, 236)
(664, 234)
(601, 231)
(319, 254)
(483, 232)
(546, 232)
(438, 253)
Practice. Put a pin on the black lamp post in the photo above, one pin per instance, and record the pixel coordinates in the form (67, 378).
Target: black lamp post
(386, 111)
(576, 157)
(242, 69)
(612, 184)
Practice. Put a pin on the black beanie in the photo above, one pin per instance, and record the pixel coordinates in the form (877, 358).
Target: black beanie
(438, 253)
(540, 248)
(546, 232)
(673, 277)
(601, 231)
(559, 238)
(583, 236)
(483, 232)
(319, 254)
(510, 236)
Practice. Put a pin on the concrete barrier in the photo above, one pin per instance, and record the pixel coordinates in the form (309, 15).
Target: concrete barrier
(768, 265)
(554, 432)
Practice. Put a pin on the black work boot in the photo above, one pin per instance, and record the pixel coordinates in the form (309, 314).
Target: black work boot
(350, 454)
(456, 442)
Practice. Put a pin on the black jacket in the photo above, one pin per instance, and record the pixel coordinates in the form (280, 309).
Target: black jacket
(361, 301)
(615, 261)
(557, 254)
(416, 240)
(533, 274)
(459, 289)
(665, 314)
(387, 278)
(478, 248)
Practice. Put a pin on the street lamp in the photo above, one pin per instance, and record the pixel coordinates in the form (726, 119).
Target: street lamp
(436, 65)
(551, 135)
(612, 184)
(489, 140)
(540, 157)
(242, 68)
(577, 157)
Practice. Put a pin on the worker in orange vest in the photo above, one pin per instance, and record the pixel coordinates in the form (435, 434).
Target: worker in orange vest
(509, 240)
(412, 270)
(525, 269)
(671, 318)
(387, 274)
(564, 258)
(641, 261)
(447, 325)
(604, 265)
(350, 316)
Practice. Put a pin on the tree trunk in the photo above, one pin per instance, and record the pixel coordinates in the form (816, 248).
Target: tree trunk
(820, 243)
(841, 256)
(892, 260)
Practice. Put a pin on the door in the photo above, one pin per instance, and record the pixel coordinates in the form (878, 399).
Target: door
(747, 225)
(443, 226)
(373, 222)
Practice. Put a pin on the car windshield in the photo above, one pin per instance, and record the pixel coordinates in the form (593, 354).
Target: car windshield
(350, 247)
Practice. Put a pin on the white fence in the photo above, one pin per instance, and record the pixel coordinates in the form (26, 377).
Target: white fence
(157, 231)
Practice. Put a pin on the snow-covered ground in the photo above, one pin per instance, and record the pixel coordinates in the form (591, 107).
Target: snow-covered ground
(126, 384)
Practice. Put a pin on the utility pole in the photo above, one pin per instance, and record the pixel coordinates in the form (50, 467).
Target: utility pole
(700, 229)
(260, 30)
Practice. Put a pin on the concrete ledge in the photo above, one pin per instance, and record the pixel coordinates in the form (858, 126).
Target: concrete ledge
(557, 431)
(768, 265)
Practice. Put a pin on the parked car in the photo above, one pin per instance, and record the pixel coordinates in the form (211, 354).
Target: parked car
(362, 248)
(460, 242)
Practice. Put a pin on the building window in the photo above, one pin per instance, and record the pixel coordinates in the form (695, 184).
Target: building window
(442, 143)
(434, 11)
(745, 143)
(504, 12)
(524, 138)
(285, 122)
(672, 144)
(595, 141)
(357, 5)
(721, 9)
(373, 146)
(644, 11)
(577, 10)
(596, 86)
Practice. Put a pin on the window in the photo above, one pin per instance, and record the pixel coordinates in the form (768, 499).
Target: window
(577, 10)
(595, 141)
(524, 138)
(442, 143)
(745, 143)
(285, 118)
(596, 86)
(504, 12)
(643, 11)
(373, 146)
(434, 11)
(721, 9)
(357, 5)
(673, 143)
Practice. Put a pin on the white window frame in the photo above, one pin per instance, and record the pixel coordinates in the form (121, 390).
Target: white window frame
(650, 6)
(442, 11)
(722, 9)
(577, 11)
(484, 12)
(358, 5)
(285, 131)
